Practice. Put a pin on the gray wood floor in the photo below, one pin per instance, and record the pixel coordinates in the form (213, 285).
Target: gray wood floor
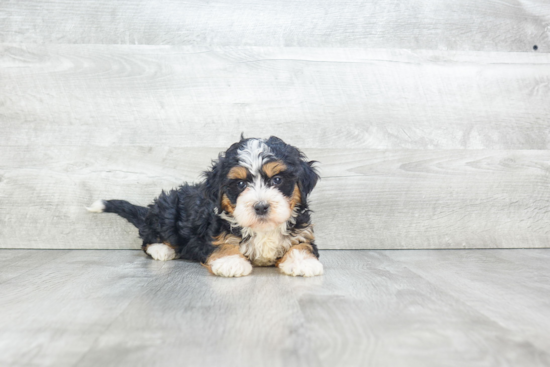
(371, 308)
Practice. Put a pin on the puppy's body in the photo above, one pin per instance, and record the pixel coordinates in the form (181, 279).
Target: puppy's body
(250, 209)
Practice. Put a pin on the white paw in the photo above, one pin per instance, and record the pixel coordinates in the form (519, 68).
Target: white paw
(301, 263)
(161, 252)
(231, 266)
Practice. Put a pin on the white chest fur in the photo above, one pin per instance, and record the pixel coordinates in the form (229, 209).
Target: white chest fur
(264, 248)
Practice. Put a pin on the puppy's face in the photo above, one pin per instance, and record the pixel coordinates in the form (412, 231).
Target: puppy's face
(263, 182)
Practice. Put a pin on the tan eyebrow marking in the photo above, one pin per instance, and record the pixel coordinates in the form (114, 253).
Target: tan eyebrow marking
(273, 168)
(237, 173)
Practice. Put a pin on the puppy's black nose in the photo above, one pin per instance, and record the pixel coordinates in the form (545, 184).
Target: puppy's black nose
(261, 208)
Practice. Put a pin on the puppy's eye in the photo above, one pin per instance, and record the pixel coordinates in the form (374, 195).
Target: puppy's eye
(241, 185)
(276, 181)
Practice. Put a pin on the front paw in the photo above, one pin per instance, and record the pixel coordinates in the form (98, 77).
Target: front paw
(231, 266)
(301, 263)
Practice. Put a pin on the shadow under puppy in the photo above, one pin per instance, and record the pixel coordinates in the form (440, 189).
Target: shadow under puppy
(251, 209)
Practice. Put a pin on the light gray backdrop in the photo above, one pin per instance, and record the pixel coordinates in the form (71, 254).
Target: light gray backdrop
(431, 118)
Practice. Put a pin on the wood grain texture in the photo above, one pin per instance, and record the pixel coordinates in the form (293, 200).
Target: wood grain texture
(314, 97)
(411, 319)
(16, 262)
(431, 118)
(511, 25)
(253, 321)
(436, 199)
(65, 304)
(490, 282)
(377, 308)
(365, 199)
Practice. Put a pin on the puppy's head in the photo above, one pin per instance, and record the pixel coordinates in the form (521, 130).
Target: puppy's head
(259, 183)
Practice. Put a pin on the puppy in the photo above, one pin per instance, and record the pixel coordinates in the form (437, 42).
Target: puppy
(251, 209)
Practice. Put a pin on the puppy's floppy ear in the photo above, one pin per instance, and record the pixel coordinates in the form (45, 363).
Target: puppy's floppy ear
(212, 184)
(308, 178)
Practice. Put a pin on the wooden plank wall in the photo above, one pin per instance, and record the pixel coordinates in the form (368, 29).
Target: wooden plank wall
(431, 119)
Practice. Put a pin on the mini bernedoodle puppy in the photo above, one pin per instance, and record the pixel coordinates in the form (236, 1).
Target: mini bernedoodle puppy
(251, 209)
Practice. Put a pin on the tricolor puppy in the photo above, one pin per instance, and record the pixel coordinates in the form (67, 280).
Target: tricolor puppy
(251, 209)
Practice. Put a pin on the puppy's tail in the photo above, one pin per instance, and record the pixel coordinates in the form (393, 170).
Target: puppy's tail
(132, 213)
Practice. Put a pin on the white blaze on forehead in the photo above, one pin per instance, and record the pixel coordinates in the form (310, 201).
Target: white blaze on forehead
(253, 155)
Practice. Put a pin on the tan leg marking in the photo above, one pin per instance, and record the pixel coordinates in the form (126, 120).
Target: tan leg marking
(302, 246)
(227, 260)
(223, 251)
(300, 261)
